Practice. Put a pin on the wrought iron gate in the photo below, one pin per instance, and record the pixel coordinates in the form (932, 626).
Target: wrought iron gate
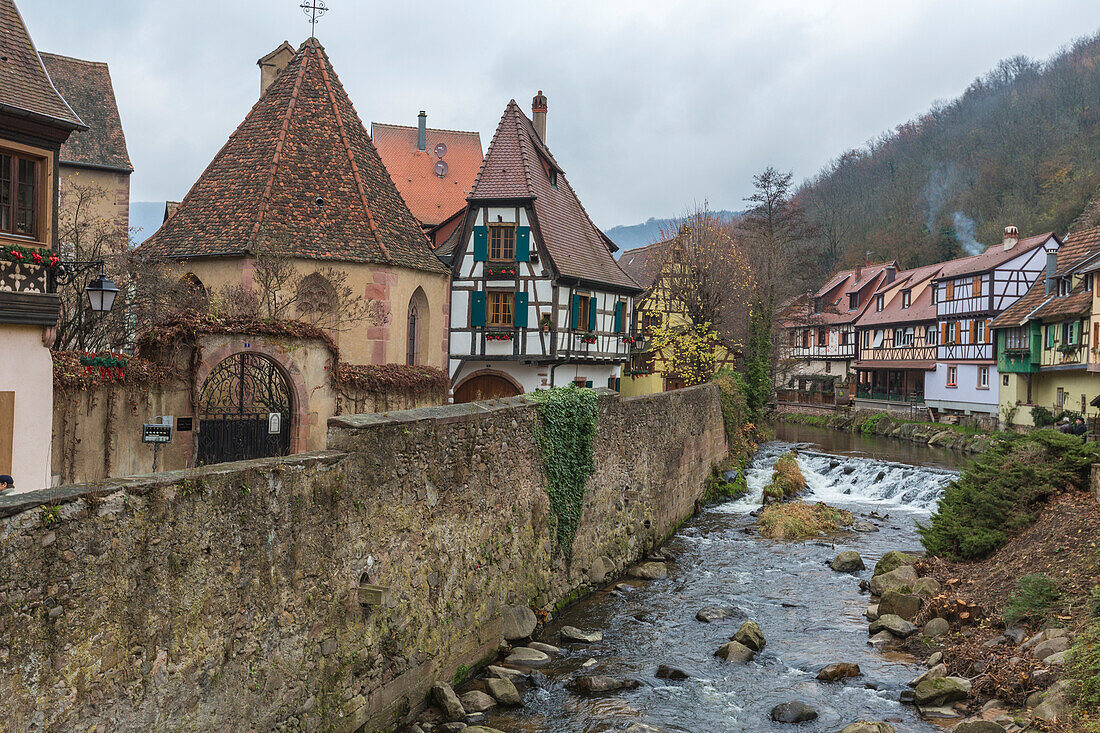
(235, 405)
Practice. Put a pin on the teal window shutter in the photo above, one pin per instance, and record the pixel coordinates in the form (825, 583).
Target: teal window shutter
(619, 316)
(576, 320)
(523, 244)
(592, 313)
(519, 316)
(477, 308)
(481, 244)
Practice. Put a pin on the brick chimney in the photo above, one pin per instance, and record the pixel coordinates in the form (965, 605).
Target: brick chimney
(538, 114)
(1012, 236)
(272, 64)
(422, 131)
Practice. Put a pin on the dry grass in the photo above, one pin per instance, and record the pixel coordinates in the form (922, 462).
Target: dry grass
(787, 479)
(797, 520)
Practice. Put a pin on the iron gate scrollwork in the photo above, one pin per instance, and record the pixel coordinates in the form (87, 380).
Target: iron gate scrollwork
(235, 405)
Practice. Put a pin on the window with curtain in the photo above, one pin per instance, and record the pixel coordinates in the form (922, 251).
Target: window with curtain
(502, 243)
(20, 198)
(500, 308)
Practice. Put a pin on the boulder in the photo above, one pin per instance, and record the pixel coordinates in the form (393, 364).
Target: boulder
(940, 670)
(881, 639)
(872, 612)
(893, 560)
(906, 605)
(601, 569)
(1058, 659)
(642, 728)
(941, 690)
(505, 673)
(935, 659)
(714, 613)
(476, 701)
(926, 587)
(793, 712)
(544, 648)
(861, 526)
(504, 692)
(574, 635)
(862, 727)
(448, 701)
(750, 635)
(665, 672)
(1051, 710)
(978, 726)
(648, 571)
(519, 622)
(895, 624)
(937, 627)
(481, 729)
(903, 577)
(526, 656)
(838, 671)
(1046, 648)
(735, 652)
(596, 684)
(848, 561)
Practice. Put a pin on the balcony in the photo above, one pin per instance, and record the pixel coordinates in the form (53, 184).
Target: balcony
(912, 398)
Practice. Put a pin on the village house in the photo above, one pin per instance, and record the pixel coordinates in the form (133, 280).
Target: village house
(1046, 341)
(35, 121)
(537, 298)
(819, 343)
(896, 342)
(969, 292)
(434, 170)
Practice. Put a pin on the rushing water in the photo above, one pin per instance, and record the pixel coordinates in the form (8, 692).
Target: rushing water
(810, 615)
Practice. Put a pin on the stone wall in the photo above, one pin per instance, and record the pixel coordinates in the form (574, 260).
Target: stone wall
(226, 597)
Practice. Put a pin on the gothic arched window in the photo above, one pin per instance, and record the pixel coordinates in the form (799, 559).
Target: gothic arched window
(316, 298)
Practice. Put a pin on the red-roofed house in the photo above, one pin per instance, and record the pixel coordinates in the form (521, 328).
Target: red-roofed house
(433, 169)
(537, 299)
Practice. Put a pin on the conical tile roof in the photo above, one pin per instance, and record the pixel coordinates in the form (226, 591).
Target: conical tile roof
(301, 176)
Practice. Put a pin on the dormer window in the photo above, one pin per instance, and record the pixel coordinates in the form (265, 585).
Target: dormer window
(817, 305)
(853, 301)
(906, 297)
(502, 243)
(880, 302)
(1088, 282)
(1063, 286)
(553, 178)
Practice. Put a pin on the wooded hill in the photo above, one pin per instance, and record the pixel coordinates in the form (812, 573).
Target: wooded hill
(1021, 146)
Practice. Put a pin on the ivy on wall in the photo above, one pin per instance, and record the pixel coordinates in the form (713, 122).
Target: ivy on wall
(564, 433)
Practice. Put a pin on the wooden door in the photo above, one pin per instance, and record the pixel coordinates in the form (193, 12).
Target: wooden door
(485, 387)
(7, 430)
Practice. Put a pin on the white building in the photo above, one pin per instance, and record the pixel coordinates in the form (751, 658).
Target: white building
(537, 299)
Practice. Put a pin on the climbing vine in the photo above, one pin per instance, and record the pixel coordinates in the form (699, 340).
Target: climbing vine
(565, 432)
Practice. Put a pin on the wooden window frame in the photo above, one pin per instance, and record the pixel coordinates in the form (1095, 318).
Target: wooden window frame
(822, 338)
(952, 377)
(906, 298)
(498, 244)
(949, 290)
(498, 304)
(584, 306)
(983, 370)
(41, 163)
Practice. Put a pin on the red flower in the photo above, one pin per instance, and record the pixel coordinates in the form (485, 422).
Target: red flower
(36, 257)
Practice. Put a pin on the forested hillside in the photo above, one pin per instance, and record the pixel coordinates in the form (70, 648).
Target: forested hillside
(1021, 146)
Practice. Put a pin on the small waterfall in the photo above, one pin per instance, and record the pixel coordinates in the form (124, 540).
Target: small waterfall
(837, 479)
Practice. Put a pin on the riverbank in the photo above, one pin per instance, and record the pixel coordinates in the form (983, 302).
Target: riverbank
(955, 437)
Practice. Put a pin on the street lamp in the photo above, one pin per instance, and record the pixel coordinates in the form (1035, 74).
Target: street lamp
(101, 294)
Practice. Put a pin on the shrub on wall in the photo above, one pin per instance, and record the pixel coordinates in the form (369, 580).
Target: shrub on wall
(564, 432)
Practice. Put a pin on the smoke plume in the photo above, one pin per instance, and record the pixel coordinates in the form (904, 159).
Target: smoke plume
(964, 231)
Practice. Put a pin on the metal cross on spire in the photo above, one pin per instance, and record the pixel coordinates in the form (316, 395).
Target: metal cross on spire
(314, 9)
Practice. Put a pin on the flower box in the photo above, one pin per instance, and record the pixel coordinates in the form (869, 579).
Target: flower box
(498, 335)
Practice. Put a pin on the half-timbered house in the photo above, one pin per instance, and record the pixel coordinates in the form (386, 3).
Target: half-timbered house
(969, 292)
(537, 299)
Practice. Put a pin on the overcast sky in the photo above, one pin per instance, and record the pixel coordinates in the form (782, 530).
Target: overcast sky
(652, 105)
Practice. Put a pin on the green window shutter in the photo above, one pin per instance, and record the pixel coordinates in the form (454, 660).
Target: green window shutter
(519, 316)
(592, 313)
(477, 308)
(575, 322)
(523, 244)
(481, 244)
(619, 316)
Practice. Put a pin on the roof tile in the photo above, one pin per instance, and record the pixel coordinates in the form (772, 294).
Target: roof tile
(86, 86)
(24, 83)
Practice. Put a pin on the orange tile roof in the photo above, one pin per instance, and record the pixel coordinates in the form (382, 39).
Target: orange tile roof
(431, 198)
(1078, 247)
(643, 264)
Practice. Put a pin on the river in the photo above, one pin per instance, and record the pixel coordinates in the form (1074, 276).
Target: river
(810, 615)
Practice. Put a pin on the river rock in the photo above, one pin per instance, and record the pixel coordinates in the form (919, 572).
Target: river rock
(1052, 710)
(714, 613)
(576, 636)
(448, 701)
(893, 560)
(903, 577)
(862, 727)
(648, 571)
(838, 671)
(642, 728)
(505, 673)
(476, 701)
(863, 526)
(519, 622)
(848, 561)
(596, 684)
(544, 648)
(940, 670)
(1058, 659)
(527, 656)
(933, 660)
(1046, 648)
(937, 627)
(504, 692)
(793, 712)
(895, 624)
(735, 652)
(978, 726)
(751, 636)
(481, 729)
(906, 605)
(881, 639)
(871, 612)
(665, 672)
(601, 569)
(926, 587)
(941, 690)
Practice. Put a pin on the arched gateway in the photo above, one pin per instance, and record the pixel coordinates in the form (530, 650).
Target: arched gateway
(237, 410)
(485, 386)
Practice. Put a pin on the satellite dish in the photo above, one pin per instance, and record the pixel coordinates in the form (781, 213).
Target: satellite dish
(441, 168)
(440, 150)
